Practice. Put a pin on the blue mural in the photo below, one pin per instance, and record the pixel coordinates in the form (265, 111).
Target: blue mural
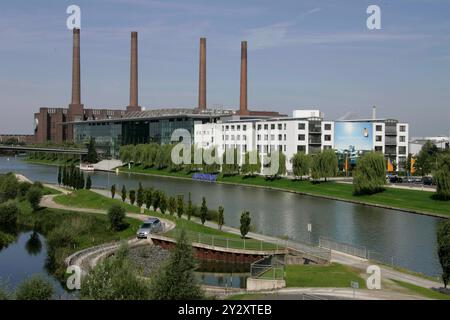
(353, 136)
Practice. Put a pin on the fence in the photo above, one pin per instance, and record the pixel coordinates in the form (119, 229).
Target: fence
(267, 268)
(235, 243)
(353, 250)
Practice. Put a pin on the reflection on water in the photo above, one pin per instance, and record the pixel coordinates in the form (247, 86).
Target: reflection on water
(223, 274)
(409, 238)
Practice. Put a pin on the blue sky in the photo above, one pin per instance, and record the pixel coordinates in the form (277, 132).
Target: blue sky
(309, 53)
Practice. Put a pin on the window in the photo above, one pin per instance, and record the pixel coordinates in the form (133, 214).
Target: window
(259, 127)
(402, 138)
(284, 148)
(326, 147)
(328, 126)
(227, 127)
(301, 137)
(280, 126)
(301, 148)
(284, 137)
(301, 126)
(285, 126)
(266, 137)
(379, 149)
(402, 128)
(272, 126)
(244, 127)
(272, 137)
(401, 150)
(244, 137)
(232, 127)
(232, 137)
(238, 137)
(379, 138)
(259, 137)
(379, 128)
(244, 148)
(327, 137)
(266, 126)
(280, 137)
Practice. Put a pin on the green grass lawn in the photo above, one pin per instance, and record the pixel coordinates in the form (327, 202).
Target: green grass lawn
(89, 199)
(425, 292)
(54, 162)
(333, 275)
(397, 198)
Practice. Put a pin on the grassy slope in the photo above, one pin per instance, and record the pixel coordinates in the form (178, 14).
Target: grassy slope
(398, 198)
(428, 293)
(53, 162)
(90, 199)
(333, 275)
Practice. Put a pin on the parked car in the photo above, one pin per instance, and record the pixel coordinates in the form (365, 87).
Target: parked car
(151, 225)
(395, 179)
(427, 181)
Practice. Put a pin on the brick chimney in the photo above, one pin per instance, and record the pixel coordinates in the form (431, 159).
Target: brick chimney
(75, 107)
(243, 96)
(134, 106)
(202, 76)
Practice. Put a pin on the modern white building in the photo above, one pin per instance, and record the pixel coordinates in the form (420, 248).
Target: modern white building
(307, 132)
(416, 144)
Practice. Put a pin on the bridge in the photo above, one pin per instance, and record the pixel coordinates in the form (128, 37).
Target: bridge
(44, 149)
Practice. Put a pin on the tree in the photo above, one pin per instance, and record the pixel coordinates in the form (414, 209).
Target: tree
(113, 191)
(443, 241)
(177, 281)
(156, 199)
(148, 197)
(190, 208)
(324, 165)
(34, 196)
(116, 216)
(442, 178)
(252, 163)
(426, 158)
(91, 156)
(9, 212)
(180, 205)
(301, 164)
(370, 174)
(172, 205)
(140, 196)
(220, 218)
(9, 187)
(203, 211)
(281, 164)
(64, 176)
(35, 288)
(124, 193)
(230, 167)
(59, 176)
(132, 195)
(163, 203)
(88, 183)
(245, 223)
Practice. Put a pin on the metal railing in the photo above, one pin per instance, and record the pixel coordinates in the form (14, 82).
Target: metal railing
(350, 249)
(269, 267)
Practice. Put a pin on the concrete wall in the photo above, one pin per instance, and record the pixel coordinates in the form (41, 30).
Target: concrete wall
(264, 284)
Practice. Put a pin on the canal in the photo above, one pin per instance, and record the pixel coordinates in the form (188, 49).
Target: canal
(407, 239)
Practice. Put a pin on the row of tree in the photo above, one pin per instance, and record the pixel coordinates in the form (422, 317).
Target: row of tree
(73, 178)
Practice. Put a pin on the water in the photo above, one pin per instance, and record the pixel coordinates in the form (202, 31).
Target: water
(223, 274)
(26, 257)
(410, 239)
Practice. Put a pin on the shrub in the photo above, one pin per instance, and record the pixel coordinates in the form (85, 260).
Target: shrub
(9, 213)
(5, 240)
(60, 237)
(124, 193)
(8, 187)
(442, 178)
(115, 279)
(113, 191)
(443, 240)
(132, 197)
(23, 188)
(35, 288)
(116, 215)
(34, 196)
(180, 206)
(203, 211)
(221, 218)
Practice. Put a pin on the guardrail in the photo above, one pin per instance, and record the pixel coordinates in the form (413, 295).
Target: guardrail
(353, 250)
(267, 268)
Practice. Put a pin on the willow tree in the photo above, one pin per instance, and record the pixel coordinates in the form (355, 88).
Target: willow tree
(442, 178)
(370, 174)
(230, 162)
(324, 165)
(301, 164)
(252, 163)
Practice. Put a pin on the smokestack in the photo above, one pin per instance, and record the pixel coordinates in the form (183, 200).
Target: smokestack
(374, 112)
(76, 107)
(134, 106)
(202, 76)
(243, 97)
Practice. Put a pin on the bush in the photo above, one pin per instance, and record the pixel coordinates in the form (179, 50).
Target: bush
(132, 197)
(60, 237)
(245, 223)
(115, 279)
(5, 240)
(9, 213)
(23, 188)
(369, 175)
(35, 288)
(442, 178)
(9, 187)
(4, 291)
(116, 215)
(34, 196)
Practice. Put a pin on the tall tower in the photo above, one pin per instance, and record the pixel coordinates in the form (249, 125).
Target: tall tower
(76, 108)
(134, 105)
(243, 110)
(202, 76)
